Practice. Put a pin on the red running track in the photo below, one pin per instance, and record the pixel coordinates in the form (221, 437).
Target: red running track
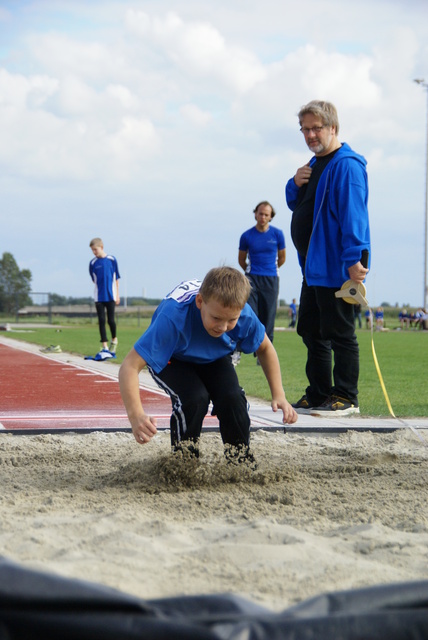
(39, 393)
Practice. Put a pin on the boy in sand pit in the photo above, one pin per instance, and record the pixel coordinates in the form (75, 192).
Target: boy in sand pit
(187, 350)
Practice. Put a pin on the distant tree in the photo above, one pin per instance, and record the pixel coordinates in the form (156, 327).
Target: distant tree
(57, 300)
(141, 302)
(86, 300)
(15, 285)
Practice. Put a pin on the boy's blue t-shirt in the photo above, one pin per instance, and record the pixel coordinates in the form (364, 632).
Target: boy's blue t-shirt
(176, 331)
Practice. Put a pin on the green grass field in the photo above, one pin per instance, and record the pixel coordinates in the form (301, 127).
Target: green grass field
(402, 357)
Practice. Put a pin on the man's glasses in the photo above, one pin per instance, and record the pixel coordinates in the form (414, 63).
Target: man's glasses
(305, 130)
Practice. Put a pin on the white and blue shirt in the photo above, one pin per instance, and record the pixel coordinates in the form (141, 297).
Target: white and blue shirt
(104, 272)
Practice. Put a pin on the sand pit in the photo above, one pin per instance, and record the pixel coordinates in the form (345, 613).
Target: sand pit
(319, 514)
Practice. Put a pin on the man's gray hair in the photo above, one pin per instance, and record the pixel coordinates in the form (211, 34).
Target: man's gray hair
(326, 111)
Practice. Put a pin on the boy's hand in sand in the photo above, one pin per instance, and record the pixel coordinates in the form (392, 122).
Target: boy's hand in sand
(268, 359)
(143, 428)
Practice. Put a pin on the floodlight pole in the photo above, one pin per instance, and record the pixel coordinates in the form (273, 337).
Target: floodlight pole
(422, 83)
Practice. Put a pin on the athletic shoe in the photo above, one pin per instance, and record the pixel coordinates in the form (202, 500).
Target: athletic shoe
(236, 358)
(113, 346)
(53, 348)
(303, 405)
(336, 406)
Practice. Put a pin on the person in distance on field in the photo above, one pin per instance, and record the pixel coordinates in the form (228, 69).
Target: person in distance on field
(104, 272)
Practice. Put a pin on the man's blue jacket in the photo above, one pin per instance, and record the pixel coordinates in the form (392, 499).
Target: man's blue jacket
(340, 231)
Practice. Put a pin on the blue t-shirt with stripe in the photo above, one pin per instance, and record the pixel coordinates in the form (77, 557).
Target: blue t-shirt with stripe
(177, 331)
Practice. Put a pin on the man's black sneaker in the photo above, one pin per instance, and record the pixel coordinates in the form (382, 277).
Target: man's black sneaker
(337, 407)
(303, 405)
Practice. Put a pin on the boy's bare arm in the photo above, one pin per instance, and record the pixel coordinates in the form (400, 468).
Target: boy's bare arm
(143, 426)
(117, 300)
(268, 359)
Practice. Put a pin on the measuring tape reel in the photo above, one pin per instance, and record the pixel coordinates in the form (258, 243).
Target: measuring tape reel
(353, 293)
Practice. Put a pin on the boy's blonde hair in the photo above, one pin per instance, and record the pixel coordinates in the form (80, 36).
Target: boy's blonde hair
(226, 285)
(96, 242)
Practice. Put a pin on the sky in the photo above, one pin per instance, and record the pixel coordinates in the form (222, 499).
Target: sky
(159, 125)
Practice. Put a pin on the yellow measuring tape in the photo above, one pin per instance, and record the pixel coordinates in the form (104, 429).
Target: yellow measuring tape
(382, 384)
(355, 293)
(385, 393)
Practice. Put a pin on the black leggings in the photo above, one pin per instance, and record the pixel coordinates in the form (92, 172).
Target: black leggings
(192, 386)
(101, 312)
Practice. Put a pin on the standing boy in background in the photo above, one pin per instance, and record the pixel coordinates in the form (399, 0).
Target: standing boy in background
(104, 272)
(261, 254)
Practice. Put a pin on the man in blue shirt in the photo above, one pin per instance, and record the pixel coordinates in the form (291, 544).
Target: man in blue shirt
(261, 254)
(104, 272)
(187, 350)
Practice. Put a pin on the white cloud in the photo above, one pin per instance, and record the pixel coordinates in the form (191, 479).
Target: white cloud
(195, 115)
(123, 95)
(75, 97)
(20, 92)
(342, 77)
(199, 49)
(136, 139)
(65, 128)
(63, 55)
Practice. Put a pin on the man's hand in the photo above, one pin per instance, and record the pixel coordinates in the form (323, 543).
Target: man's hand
(357, 272)
(302, 175)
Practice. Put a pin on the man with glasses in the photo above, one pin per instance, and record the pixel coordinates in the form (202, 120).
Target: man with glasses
(330, 230)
